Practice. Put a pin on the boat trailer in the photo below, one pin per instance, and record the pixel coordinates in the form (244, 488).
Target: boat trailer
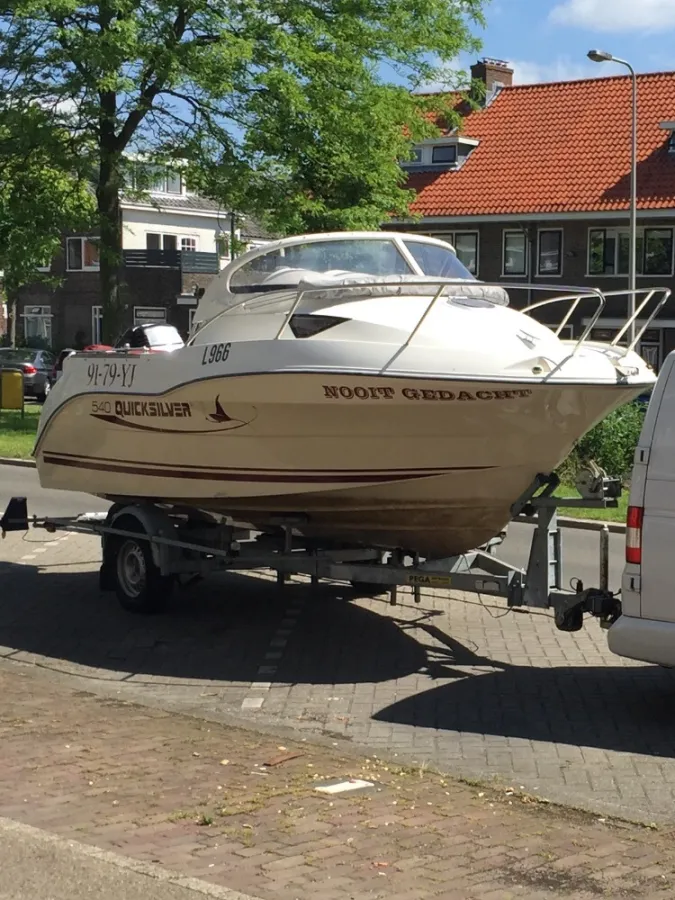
(147, 548)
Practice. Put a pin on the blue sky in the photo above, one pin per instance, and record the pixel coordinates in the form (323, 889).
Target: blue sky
(547, 40)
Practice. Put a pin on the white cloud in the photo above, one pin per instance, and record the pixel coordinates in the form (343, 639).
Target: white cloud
(618, 16)
(561, 69)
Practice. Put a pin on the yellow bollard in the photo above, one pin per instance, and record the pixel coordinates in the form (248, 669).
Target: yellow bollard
(11, 389)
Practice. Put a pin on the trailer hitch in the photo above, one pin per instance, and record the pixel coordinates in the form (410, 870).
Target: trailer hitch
(570, 609)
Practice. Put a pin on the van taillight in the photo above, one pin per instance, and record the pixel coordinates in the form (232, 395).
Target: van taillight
(634, 535)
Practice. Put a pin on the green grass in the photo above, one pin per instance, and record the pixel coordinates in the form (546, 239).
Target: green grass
(17, 435)
(606, 515)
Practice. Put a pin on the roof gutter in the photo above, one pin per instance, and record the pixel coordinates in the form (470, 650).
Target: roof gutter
(535, 217)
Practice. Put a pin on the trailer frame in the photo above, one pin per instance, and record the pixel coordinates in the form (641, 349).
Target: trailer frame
(147, 547)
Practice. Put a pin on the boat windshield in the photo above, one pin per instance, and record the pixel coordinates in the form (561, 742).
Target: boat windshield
(285, 265)
(437, 261)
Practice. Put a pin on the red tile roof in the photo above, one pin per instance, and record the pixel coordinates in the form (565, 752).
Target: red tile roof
(563, 147)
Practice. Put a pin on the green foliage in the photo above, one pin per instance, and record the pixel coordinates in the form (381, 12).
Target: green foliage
(291, 108)
(611, 444)
(41, 193)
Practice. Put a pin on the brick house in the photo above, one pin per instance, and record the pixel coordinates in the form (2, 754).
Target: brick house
(535, 188)
(173, 242)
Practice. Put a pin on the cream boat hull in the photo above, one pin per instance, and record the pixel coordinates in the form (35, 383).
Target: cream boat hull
(425, 464)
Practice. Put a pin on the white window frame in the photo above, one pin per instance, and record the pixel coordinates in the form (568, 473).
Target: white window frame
(523, 274)
(179, 240)
(561, 232)
(189, 237)
(444, 162)
(97, 324)
(83, 268)
(44, 317)
(450, 236)
(138, 320)
(641, 232)
(157, 173)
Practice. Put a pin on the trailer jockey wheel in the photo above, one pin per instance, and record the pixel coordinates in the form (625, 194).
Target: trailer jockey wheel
(138, 583)
(571, 619)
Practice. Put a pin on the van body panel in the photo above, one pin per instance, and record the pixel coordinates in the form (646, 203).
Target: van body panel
(643, 639)
(653, 488)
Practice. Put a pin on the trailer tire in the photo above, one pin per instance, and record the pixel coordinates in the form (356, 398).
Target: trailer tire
(138, 583)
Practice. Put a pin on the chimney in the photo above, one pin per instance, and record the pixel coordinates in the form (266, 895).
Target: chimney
(494, 73)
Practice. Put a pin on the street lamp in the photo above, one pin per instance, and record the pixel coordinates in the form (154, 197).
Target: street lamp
(601, 56)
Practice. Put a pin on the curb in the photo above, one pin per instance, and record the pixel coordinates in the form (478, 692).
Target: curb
(150, 870)
(10, 461)
(592, 524)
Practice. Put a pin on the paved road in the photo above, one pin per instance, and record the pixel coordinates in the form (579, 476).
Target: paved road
(458, 680)
(43, 867)
(17, 481)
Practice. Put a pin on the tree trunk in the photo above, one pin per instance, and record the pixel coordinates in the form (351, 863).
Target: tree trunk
(110, 219)
(12, 309)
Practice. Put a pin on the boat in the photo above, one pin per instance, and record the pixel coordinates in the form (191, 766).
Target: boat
(363, 386)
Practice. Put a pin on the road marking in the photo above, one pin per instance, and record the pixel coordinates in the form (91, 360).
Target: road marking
(354, 784)
(252, 702)
(29, 556)
(279, 640)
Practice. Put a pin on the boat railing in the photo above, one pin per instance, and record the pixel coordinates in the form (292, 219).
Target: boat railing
(661, 295)
(573, 295)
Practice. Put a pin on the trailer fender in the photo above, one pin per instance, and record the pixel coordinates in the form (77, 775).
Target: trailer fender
(154, 522)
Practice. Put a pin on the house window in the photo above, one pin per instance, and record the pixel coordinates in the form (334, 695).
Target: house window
(154, 241)
(96, 324)
(549, 252)
(515, 253)
(609, 251)
(658, 251)
(417, 156)
(444, 153)
(82, 254)
(37, 322)
(466, 247)
(161, 241)
(149, 315)
(165, 182)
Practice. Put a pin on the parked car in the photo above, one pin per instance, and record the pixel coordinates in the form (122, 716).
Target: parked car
(57, 368)
(36, 366)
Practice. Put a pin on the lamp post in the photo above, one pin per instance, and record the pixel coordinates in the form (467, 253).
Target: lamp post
(601, 56)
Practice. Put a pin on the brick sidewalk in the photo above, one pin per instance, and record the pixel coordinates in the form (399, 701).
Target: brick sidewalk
(198, 798)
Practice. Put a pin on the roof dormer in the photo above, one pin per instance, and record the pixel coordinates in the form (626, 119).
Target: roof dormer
(441, 153)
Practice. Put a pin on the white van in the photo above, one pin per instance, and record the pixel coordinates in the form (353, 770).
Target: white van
(646, 628)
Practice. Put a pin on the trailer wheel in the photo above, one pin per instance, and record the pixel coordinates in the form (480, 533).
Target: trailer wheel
(139, 586)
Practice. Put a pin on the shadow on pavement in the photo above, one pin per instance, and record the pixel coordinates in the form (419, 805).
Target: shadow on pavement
(620, 708)
(219, 629)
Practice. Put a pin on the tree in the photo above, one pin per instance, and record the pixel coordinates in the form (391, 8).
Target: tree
(287, 106)
(42, 194)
